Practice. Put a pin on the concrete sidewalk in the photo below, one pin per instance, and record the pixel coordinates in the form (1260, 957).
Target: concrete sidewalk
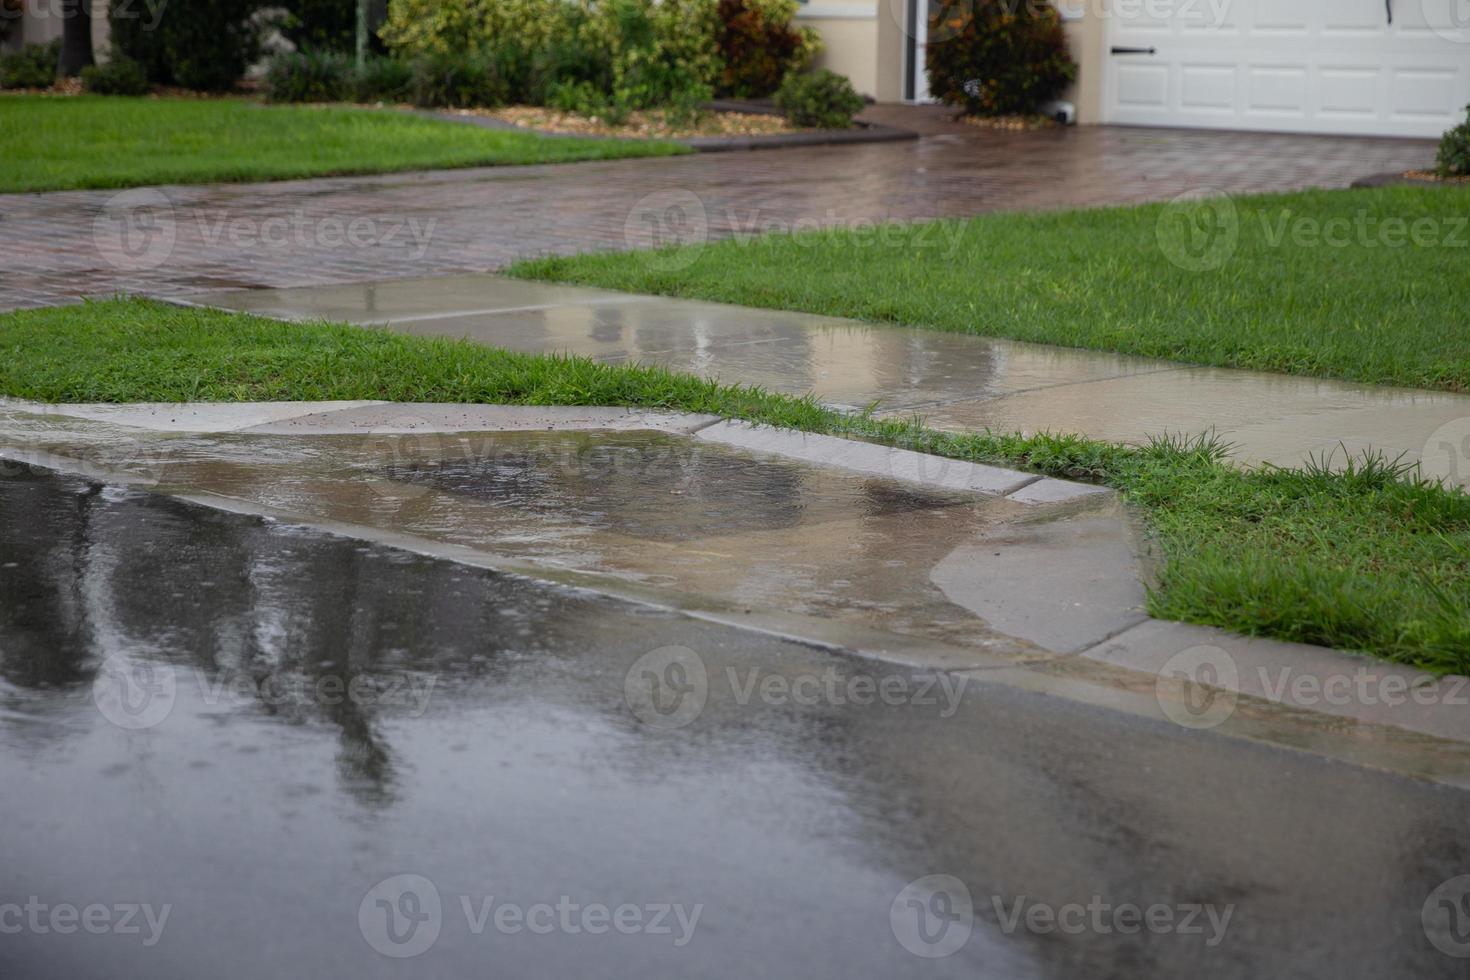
(954, 381)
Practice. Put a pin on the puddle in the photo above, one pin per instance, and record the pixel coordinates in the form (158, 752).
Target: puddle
(657, 509)
(262, 727)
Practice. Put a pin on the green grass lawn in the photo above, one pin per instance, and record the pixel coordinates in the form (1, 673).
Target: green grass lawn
(1370, 560)
(61, 143)
(1341, 304)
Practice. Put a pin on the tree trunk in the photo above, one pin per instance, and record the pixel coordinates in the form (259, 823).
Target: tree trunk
(76, 37)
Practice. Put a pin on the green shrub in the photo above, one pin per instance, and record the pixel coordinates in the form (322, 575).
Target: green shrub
(996, 57)
(120, 76)
(200, 44)
(383, 80)
(33, 66)
(309, 76)
(460, 81)
(422, 28)
(1454, 150)
(635, 53)
(823, 99)
(758, 46)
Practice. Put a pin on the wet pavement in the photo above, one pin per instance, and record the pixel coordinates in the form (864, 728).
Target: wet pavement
(954, 381)
(255, 750)
(179, 241)
(666, 515)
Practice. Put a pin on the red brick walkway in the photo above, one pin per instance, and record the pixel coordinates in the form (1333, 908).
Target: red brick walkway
(177, 240)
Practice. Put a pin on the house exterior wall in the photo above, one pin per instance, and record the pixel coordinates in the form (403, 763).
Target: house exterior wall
(849, 33)
(40, 21)
(867, 41)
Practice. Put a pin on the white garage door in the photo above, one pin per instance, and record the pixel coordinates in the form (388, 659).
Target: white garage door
(1325, 66)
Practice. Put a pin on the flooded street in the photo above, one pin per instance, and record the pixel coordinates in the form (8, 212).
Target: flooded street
(236, 748)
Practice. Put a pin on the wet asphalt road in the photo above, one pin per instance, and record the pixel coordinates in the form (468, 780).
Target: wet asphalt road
(235, 749)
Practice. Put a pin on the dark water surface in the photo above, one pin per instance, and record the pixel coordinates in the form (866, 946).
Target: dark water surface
(314, 755)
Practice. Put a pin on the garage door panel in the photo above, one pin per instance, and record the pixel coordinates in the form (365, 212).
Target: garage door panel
(1333, 66)
(1349, 93)
(1143, 87)
(1278, 90)
(1283, 17)
(1416, 93)
(1208, 88)
(1353, 18)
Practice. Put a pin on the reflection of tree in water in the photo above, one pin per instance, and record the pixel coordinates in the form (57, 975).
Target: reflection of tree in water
(98, 573)
(46, 635)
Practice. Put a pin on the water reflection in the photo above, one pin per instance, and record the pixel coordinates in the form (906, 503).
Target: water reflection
(523, 773)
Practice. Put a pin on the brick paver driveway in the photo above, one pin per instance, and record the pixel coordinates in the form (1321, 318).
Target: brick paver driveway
(176, 240)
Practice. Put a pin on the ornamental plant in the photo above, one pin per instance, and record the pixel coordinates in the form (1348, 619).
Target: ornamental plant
(1454, 150)
(997, 57)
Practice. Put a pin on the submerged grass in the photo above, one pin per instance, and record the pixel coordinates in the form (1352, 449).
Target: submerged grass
(1363, 556)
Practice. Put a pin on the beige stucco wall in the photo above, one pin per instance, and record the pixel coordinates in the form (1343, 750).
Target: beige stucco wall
(1085, 36)
(849, 33)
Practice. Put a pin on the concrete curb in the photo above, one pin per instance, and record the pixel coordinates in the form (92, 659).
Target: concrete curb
(1170, 659)
(898, 464)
